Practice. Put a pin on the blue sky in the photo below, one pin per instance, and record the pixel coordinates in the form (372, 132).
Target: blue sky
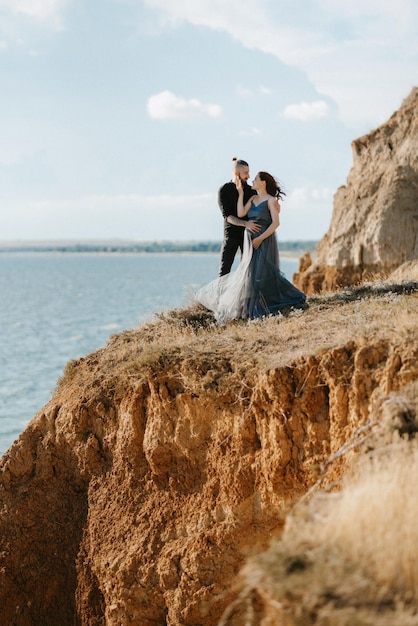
(119, 118)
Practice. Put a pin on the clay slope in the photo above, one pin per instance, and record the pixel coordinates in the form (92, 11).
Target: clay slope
(169, 457)
(374, 223)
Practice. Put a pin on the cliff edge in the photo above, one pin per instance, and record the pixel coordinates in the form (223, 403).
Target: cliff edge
(167, 459)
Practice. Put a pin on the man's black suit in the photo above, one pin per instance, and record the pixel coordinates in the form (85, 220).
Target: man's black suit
(233, 235)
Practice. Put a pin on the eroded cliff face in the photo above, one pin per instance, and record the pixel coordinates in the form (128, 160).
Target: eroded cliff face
(374, 225)
(169, 457)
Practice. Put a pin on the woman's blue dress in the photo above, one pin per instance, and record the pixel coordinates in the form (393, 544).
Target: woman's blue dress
(268, 290)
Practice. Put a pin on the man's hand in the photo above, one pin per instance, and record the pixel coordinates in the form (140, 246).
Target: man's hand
(253, 226)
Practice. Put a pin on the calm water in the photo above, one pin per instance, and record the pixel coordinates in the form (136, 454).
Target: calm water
(57, 307)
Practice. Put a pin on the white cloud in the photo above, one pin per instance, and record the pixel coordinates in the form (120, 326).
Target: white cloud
(167, 105)
(317, 192)
(301, 196)
(306, 111)
(47, 11)
(244, 92)
(9, 156)
(371, 15)
(16, 144)
(306, 213)
(216, 14)
(101, 216)
(362, 54)
(247, 92)
(251, 132)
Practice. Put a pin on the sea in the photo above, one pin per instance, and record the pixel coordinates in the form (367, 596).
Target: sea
(60, 306)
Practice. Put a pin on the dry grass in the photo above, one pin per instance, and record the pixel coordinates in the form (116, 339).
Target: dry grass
(349, 557)
(362, 314)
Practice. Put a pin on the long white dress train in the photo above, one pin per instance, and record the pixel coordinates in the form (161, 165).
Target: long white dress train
(226, 295)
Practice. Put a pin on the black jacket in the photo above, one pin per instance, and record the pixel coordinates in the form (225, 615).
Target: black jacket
(227, 200)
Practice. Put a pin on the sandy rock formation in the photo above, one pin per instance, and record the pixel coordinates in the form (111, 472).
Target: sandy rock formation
(374, 226)
(169, 457)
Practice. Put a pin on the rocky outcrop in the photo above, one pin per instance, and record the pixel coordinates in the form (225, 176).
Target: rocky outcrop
(168, 458)
(374, 226)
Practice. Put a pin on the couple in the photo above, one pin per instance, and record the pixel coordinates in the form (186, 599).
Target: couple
(257, 287)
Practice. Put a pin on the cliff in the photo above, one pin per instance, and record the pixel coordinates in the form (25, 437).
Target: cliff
(374, 223)
(172, 456)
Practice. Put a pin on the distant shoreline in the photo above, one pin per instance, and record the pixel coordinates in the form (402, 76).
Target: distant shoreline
(291, 249)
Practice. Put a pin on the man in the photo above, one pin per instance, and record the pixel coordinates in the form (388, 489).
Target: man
(233, 225)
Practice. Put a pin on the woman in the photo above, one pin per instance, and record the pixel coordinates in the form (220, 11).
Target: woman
(258, 287)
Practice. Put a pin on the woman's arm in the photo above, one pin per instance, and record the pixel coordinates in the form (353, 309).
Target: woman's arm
(241, 209)
(274, 208)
